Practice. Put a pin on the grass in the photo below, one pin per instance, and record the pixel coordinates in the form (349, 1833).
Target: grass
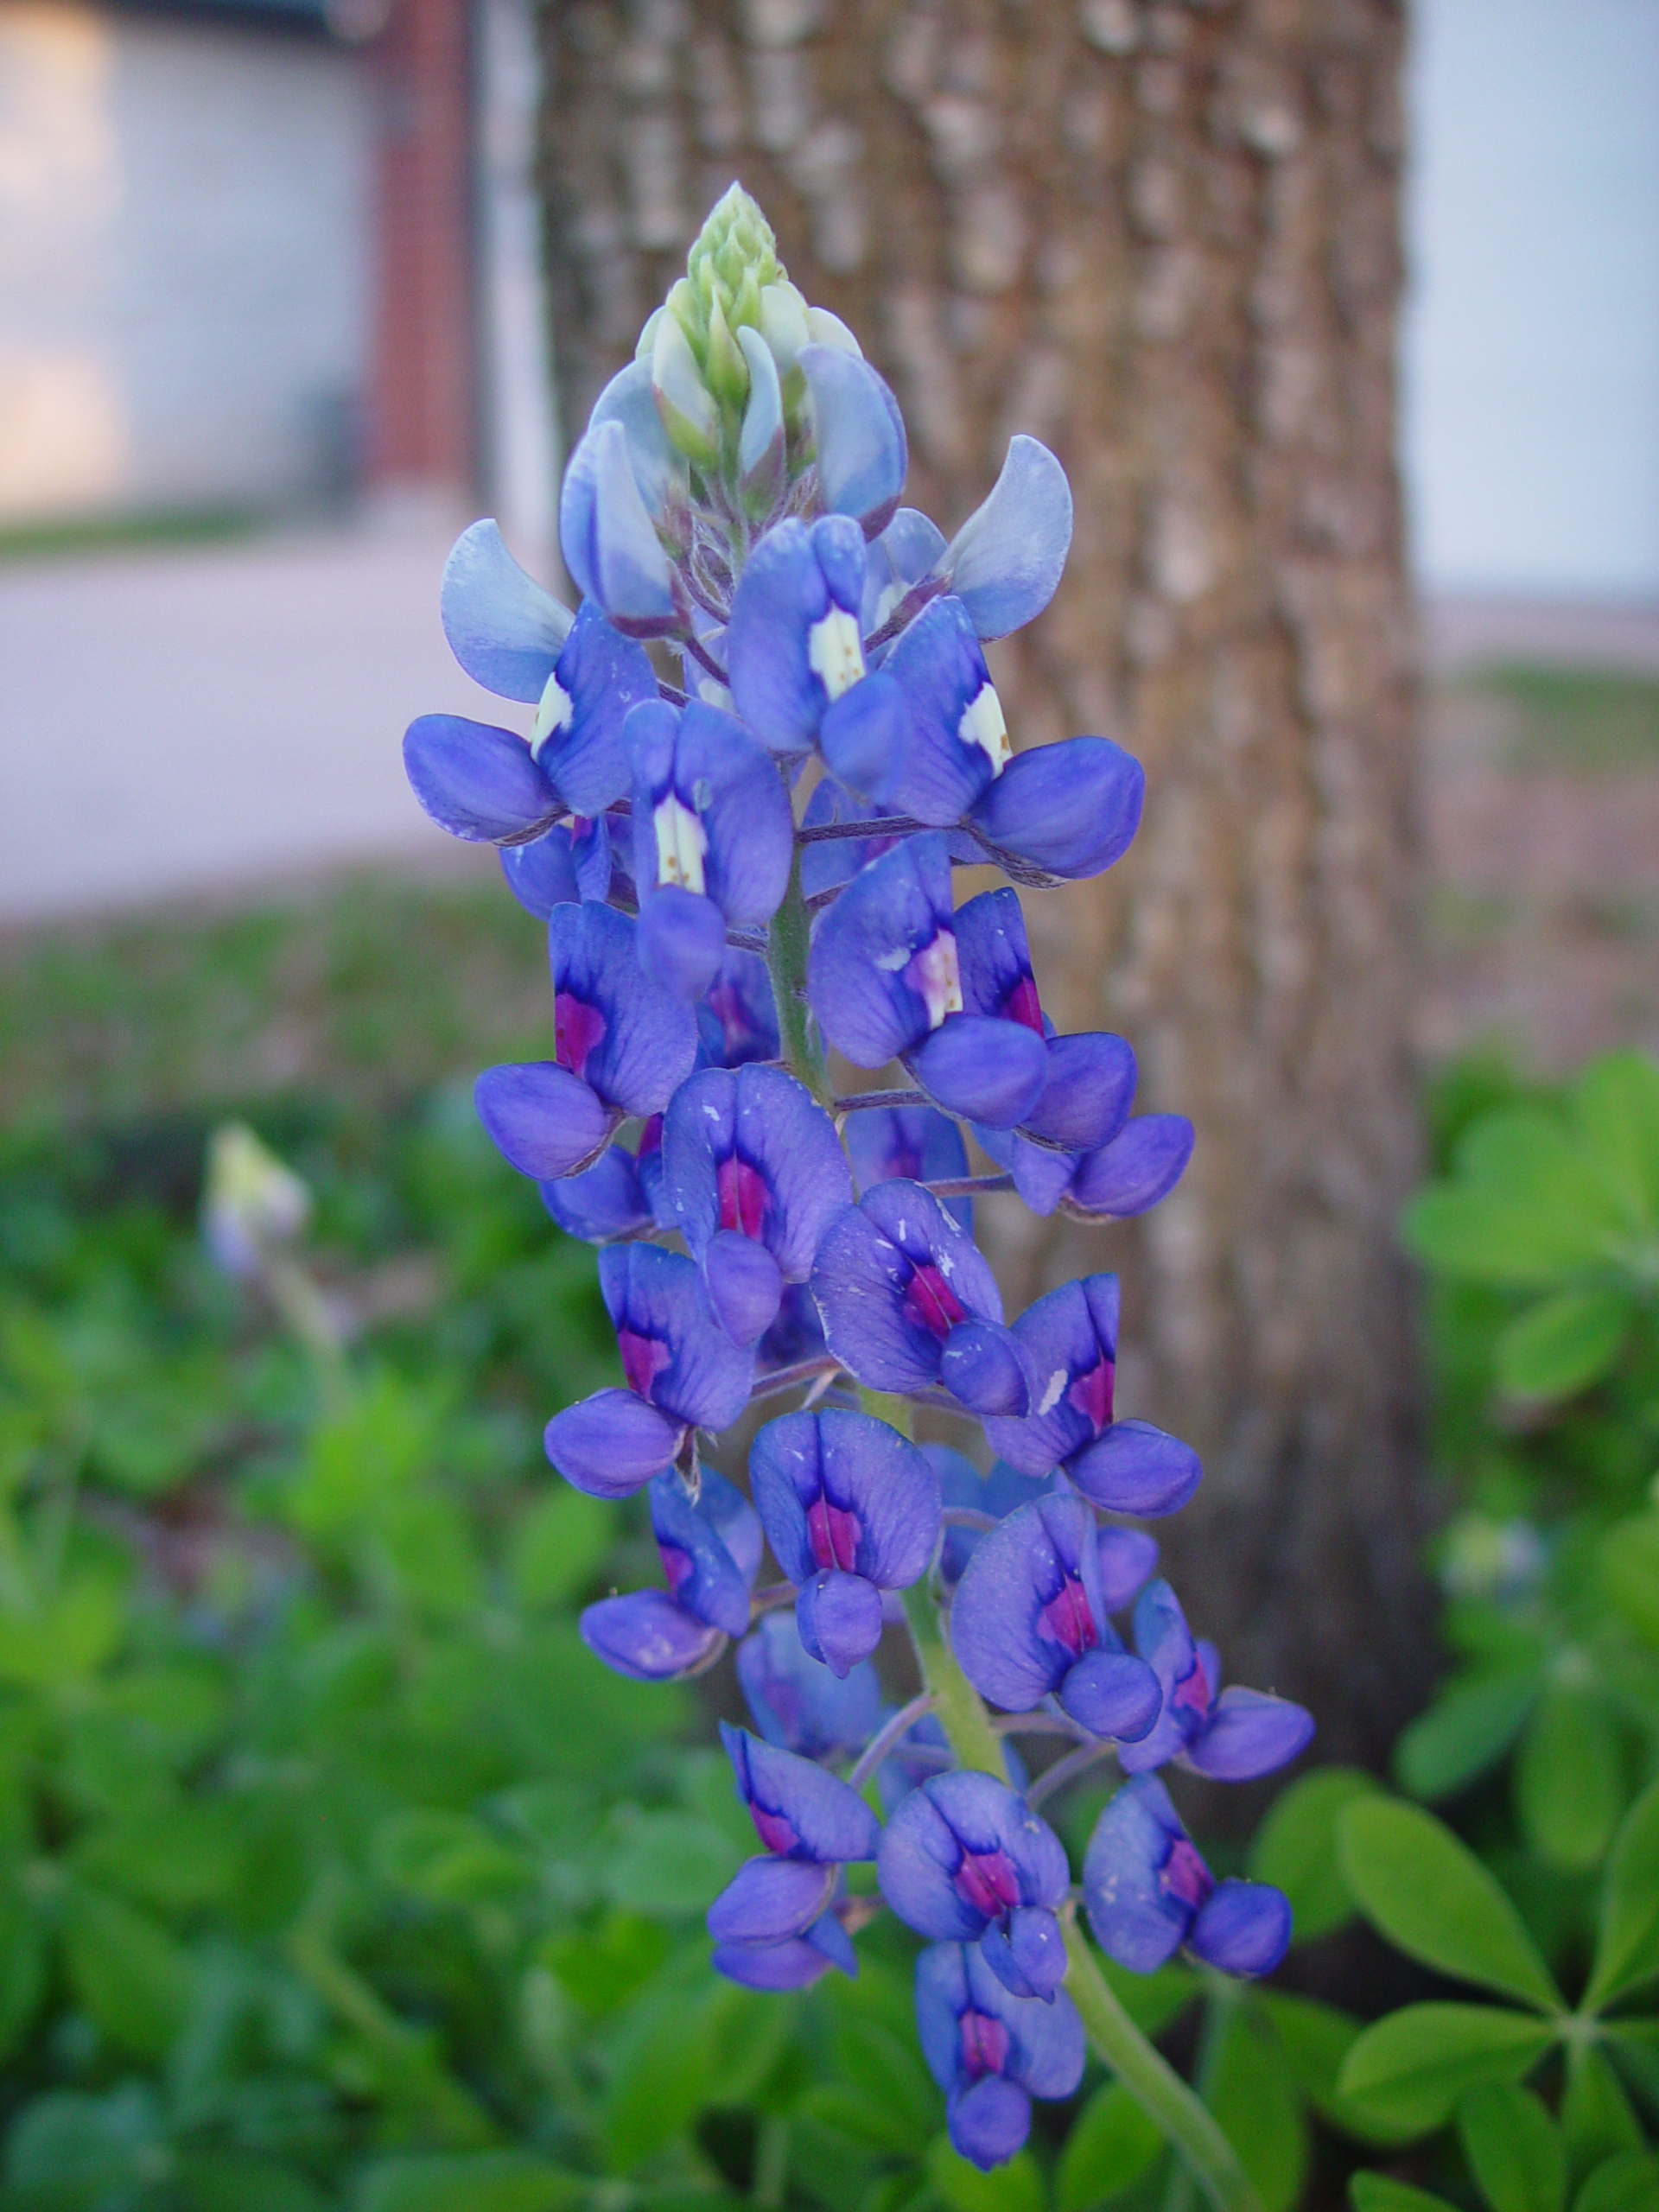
(1577, 721)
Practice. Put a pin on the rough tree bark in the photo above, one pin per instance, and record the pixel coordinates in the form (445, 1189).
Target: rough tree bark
(1163, 238)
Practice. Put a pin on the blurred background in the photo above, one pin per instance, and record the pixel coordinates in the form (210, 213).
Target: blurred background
(332, 1872)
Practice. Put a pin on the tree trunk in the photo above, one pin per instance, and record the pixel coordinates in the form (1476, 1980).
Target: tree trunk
(1163, 238)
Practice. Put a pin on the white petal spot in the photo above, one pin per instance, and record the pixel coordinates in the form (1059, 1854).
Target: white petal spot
(935, 978)
(554, 712)
(1056, 1389)
(835, 652)
(982, 725)
(682, 841)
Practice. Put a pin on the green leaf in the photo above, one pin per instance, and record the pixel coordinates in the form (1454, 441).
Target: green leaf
(1629, 1572)
(449, 1859)
(1627, 2182)
(1016, 2187)
(1153, 2001)
(1466, 1730)
(24, 1949)
(665, 2081)
(1514, 2148)
(127, 1971)
(666, 1863)
(1563, 1344)
(1617, 1108)
(1295, 1848)
(1252, 2093)
(558, 1547)
(1596, 2114)
(479, 2181)
(1434, 1898)
(1411, 2068)
(237, 2181)
(1316, 2038)
(68, 1641)
(69, 2153)
(1382, 2193)
(1627, 1943)
(1569, 1780)
(889, 2081)
(1111, 2145)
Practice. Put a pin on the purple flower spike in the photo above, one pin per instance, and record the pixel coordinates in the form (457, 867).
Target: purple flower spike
(990, 2051)
(577, 735)
(1127, 1559)
(955, 743)
(1233, 1737)
(623, 1045)
(1030, 1618)
(999, 1493)
(769, 1900)
(1069, 1341)
(799, 1811)
(605, 1201)
(476, 781)
(795, 1963)
(795, 1700)
(571, 863)
(1005, 562)
(755, 1175)
(503, 628)
(883, 979)
(609, 541)
(908, 553)
(966, 1859)
(850, 1509)
(915, 1142)
(896, 1281)
(737, 1015)
(710, 1552)
(1147, 1892)
(858, 437)
(684, 1372)
(711, 817)
(1068, 810)
(645, 1636)
(1128, 1176)
(837, 860)
(793, 647)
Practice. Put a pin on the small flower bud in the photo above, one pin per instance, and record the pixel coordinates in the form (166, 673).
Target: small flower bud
(252, 1203)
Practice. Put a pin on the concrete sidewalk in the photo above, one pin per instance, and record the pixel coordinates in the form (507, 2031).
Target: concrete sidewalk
(180, 723)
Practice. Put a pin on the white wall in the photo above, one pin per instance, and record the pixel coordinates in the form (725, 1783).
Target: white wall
(1531, 349)
(184, 259)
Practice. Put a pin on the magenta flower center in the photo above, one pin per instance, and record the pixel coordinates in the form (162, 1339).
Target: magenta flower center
(1190, 1694)
(742, 1196)
(930, 1302)
(678, 1565)
(773, 1830)
(834, 1533)
(1069, 1619)
(1021, 1005)
(643, 1359)
(984, 2045)
(987, 1879)
(1091, 1394)
(1184, 1877)
(577, 1027)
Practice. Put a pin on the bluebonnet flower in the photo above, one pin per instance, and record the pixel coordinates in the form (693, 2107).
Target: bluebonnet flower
(1069, 1341)
(735, 495)
(754, 1174)
(966, 1859)
(710, 1552)
(990, 2051)
(684, 1373)
(1227, 1735)
(1147, 1892)
(908, 1301)
(797, 1702)
(850, 1509)
(623, 1046)
(1030, 1619)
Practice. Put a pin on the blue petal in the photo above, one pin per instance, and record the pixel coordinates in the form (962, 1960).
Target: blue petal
(601, 677)
(861, 971)
(699, 775)
(843, 1489)
(1002, 1625)
(610, 544)
(1069, 1339)
(476, 781)
(704, 1576)
(1029, 1958)
(799, 1811)
(994, 959)
(745, 1285)
(1113, 1695)
(605, 1200)
(733, 1137)
(917, 1142)
(1070, 809)
(761, 445)
(1086, 1094)
(650, 1038)
(959, 1844)
(1127, 1559)
(1244, 1927)
(542, 1119)
(769, 1899)
(647, 1637)
(682, 940)
(1005, 562)
(1249, 1733)
(907, 550)
(858, 437)
(988, 2122)
(700, 1377)
(794, 1700)
(1133, 1467)
(737, 1019)
(1135, 1918)
(941, 2000)
(956, 740)
(865, 738)
(794, 1964)
(985, 1069)
(840, 1619)
(503, 628)
(837, 860)
(542, 874)
(612, 1444)
(882, 1272)
(1130, 1175)
(983, 1368)
(660, 468)
(960, 1483)
(793, 643)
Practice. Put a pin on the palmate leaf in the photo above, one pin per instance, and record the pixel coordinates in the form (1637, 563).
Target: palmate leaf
(1569, 1780)
(1433, 1897)
(1514, 2148)
(1629, 1572)
(1253, 2093)
(1564, 1344)
(1626, 2182)
(1627, 1941)
(479, 2181)
(1412, 2068)
(1596, 2118)
(1295, 1848)
(1382, 2193)
(1467, 1729)
(1112, 2143)
(1316, 2039)
(1616, 1109)
(1015, 2187)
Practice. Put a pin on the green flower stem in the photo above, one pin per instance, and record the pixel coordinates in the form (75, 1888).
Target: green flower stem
(786, 959)
(1190, 2129)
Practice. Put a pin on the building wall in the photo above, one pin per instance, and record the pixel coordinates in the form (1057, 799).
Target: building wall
(1531, 350)
(185, 261)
